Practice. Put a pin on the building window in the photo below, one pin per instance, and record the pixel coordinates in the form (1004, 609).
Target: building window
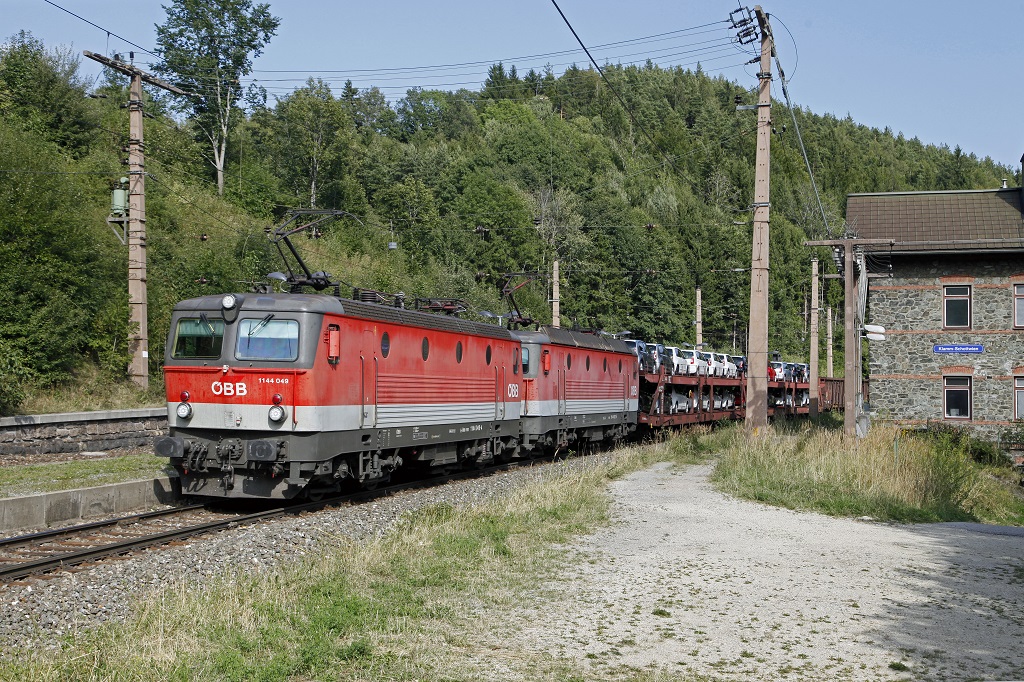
(957, 398)
(956, 307)
(1018, 397)
(1018, 305)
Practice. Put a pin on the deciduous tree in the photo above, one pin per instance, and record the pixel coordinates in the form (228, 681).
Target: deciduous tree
(206, 47)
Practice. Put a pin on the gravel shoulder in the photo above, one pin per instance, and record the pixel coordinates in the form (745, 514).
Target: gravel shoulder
(687, 579)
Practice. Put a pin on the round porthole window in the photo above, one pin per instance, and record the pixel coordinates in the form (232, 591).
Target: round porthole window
(487, 355)
(620, 366)
(458, 352)
(568, 360)
(605, 364)
(385, 344)
(588, 363)
(425, 348)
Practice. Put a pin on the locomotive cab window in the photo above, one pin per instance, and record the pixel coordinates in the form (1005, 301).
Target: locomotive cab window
(267, 339)
(198, 338)
(526, 361)
(515, 361)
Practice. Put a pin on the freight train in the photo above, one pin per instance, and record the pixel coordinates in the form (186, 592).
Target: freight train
(284, 395)
(274, 395)
(288, 395)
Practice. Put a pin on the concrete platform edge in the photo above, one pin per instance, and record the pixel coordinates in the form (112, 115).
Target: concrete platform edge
(34, 512)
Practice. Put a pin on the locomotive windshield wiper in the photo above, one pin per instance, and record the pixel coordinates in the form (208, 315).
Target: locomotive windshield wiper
(206, 321)
(262, 324)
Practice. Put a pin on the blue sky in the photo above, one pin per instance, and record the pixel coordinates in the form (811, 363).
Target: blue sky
(944, 71)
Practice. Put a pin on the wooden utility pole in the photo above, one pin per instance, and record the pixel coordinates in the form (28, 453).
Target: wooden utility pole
(700, 321)
(828, 344)
(815, 384)
(137, 299)
(757, 343)
(555, 292)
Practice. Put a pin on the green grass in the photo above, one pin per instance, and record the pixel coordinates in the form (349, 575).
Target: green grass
(411, 605)
(888, 475)
(43, 478)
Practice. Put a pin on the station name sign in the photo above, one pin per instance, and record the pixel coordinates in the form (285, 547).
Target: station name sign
(971, 349)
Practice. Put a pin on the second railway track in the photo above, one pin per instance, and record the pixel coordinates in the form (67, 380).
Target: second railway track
(39, 553)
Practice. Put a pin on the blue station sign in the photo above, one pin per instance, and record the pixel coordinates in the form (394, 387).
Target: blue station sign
(966, 348)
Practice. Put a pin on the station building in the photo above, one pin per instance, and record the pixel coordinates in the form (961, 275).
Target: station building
(953, 308)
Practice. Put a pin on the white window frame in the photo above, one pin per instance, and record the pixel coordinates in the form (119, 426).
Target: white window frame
(952, 382)
(946, 297)
(1018, 306)
(1018, 397)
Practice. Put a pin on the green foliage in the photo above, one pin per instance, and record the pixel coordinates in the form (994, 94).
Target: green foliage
(14, 376)
(42, 91)
(206, 48)
(469, 185)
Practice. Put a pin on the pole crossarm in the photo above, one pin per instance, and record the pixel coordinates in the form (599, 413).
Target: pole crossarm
(132, 70)
(852, 242)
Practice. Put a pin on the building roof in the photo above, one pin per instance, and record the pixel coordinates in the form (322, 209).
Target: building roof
(921, 222)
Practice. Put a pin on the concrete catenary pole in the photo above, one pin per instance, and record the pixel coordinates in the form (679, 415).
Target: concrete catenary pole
(828, 345)
(851, 375)
(137, 298)
(699, 320)
(815, 384)
(757, 343)
(555, 292)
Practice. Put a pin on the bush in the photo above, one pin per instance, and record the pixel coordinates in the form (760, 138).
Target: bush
(14, 377)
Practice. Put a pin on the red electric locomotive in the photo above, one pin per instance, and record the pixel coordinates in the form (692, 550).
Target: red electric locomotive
(270, 395)
(578, 388)
(281, 395)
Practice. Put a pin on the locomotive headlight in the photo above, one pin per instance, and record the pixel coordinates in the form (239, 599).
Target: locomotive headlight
(184, 411)
(228, 302)
(277, 413)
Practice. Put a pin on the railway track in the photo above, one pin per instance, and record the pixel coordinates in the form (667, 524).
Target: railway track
(39, 553)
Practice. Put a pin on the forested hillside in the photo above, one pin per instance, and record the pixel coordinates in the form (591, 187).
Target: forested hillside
(469, 184)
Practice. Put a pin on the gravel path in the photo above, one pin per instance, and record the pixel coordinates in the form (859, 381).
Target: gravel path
(687, 579)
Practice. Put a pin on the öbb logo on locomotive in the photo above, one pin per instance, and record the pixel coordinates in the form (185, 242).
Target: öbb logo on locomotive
(227, 388)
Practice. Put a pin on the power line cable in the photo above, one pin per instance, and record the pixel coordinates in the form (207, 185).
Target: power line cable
(107, 31)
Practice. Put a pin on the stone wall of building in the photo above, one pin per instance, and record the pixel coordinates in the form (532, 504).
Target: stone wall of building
(906, 374)
(81, 431)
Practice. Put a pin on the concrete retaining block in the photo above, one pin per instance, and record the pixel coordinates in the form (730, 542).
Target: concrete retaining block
(33, 512)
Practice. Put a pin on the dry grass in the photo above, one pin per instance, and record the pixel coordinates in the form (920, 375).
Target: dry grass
(887, 475)
(91, 389)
